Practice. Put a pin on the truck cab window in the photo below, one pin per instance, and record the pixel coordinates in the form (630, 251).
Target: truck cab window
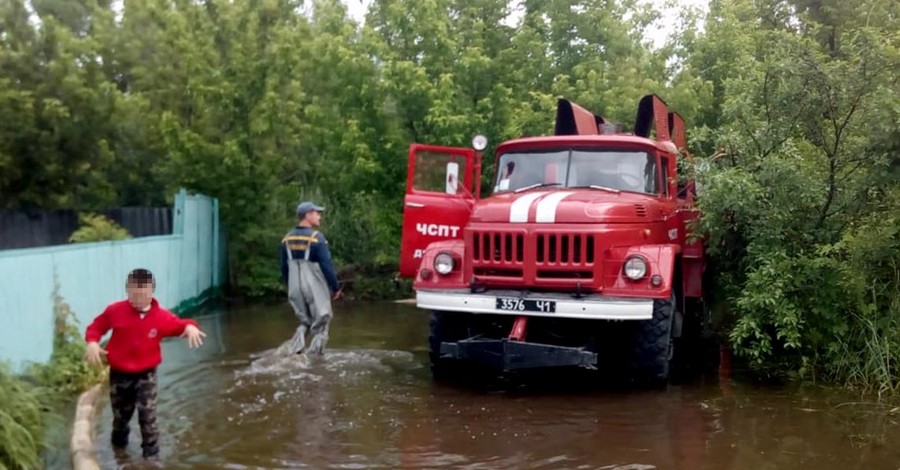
(633, 171)
(431, 171)
(519, 170)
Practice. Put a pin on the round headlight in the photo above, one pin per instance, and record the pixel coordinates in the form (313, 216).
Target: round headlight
(443, 263)
(635, 268)
(479, 142)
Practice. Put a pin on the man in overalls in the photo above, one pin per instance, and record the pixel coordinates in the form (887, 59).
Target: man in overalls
(311, 281)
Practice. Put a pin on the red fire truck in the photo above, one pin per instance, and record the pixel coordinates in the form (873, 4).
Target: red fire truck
(581, 256)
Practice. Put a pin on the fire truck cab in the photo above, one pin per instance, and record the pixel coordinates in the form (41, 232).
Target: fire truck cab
(581, 255)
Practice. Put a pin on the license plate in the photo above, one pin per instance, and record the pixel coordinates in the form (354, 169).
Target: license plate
(525, 305)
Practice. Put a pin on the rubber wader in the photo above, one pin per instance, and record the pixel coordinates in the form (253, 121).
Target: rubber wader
(310, 297)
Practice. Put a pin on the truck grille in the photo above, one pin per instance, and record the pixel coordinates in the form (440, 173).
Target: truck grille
(564, 248)
(498, 247)
(555, 256)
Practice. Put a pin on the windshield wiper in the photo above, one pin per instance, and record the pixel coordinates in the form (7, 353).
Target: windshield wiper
(601, 188)
(536, 185)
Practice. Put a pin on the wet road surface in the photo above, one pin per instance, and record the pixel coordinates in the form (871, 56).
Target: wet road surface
(371, 403)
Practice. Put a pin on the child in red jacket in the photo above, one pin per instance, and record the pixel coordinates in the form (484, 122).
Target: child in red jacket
(138, 325)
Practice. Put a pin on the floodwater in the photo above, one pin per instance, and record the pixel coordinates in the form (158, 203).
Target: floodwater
(371, 403)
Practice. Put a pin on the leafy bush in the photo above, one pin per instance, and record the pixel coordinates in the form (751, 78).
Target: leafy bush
(27, 407)
(800, 205)
(867, 260)
(96, 228)
(66, 373)
(22, 422)
(373, 282)
(804, 305)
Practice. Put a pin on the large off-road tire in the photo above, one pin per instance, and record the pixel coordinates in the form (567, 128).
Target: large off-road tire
(449, 327)
(654, 345)
(695, 351)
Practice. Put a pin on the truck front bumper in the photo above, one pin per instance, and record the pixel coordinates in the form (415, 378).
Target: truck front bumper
(508, 355)
(588, 307)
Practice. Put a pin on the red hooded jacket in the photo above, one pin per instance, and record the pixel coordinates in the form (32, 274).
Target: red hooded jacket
(134, 344)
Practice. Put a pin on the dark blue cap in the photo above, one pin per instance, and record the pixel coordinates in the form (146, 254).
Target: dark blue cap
(307, 206)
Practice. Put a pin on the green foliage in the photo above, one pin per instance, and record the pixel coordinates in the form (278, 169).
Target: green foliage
(96, 228)
(22, 422)
(374, 282)
(67, 373)
(28, 402)
(799, 201)
(263, 104)
(867, 262)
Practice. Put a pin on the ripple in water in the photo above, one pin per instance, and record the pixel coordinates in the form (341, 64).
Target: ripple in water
(344, 362)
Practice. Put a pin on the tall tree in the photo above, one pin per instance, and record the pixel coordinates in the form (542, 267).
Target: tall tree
(57, 140)
(805, 126)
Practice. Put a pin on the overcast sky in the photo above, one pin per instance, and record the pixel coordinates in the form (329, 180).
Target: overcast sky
(357, 10)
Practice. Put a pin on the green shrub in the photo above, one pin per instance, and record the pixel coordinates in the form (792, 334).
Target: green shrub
(22, 422)
(29, 404)
(867, 259)
(67, 373)
(811, 299)
(97, 228)
(374, 282)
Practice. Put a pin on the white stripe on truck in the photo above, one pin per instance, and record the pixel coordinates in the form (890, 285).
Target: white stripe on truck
(518, 211)
(546, 209)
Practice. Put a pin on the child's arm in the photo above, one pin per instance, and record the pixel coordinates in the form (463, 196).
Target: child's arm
(173, 325)
(184, 327)
(92, 336)
(97, 328)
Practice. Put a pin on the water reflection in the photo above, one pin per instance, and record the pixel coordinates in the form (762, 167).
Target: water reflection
(371, 403)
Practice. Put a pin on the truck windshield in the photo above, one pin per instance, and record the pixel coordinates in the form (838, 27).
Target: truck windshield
(620, 170)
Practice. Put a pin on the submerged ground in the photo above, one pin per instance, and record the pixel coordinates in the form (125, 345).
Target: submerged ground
(371, 403)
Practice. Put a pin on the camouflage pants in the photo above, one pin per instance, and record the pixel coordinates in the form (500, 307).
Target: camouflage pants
(128, 391)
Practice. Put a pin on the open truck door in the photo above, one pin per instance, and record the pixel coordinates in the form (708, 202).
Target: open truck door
(440, 195)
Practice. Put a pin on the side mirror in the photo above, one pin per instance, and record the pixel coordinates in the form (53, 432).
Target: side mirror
(452, 178)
